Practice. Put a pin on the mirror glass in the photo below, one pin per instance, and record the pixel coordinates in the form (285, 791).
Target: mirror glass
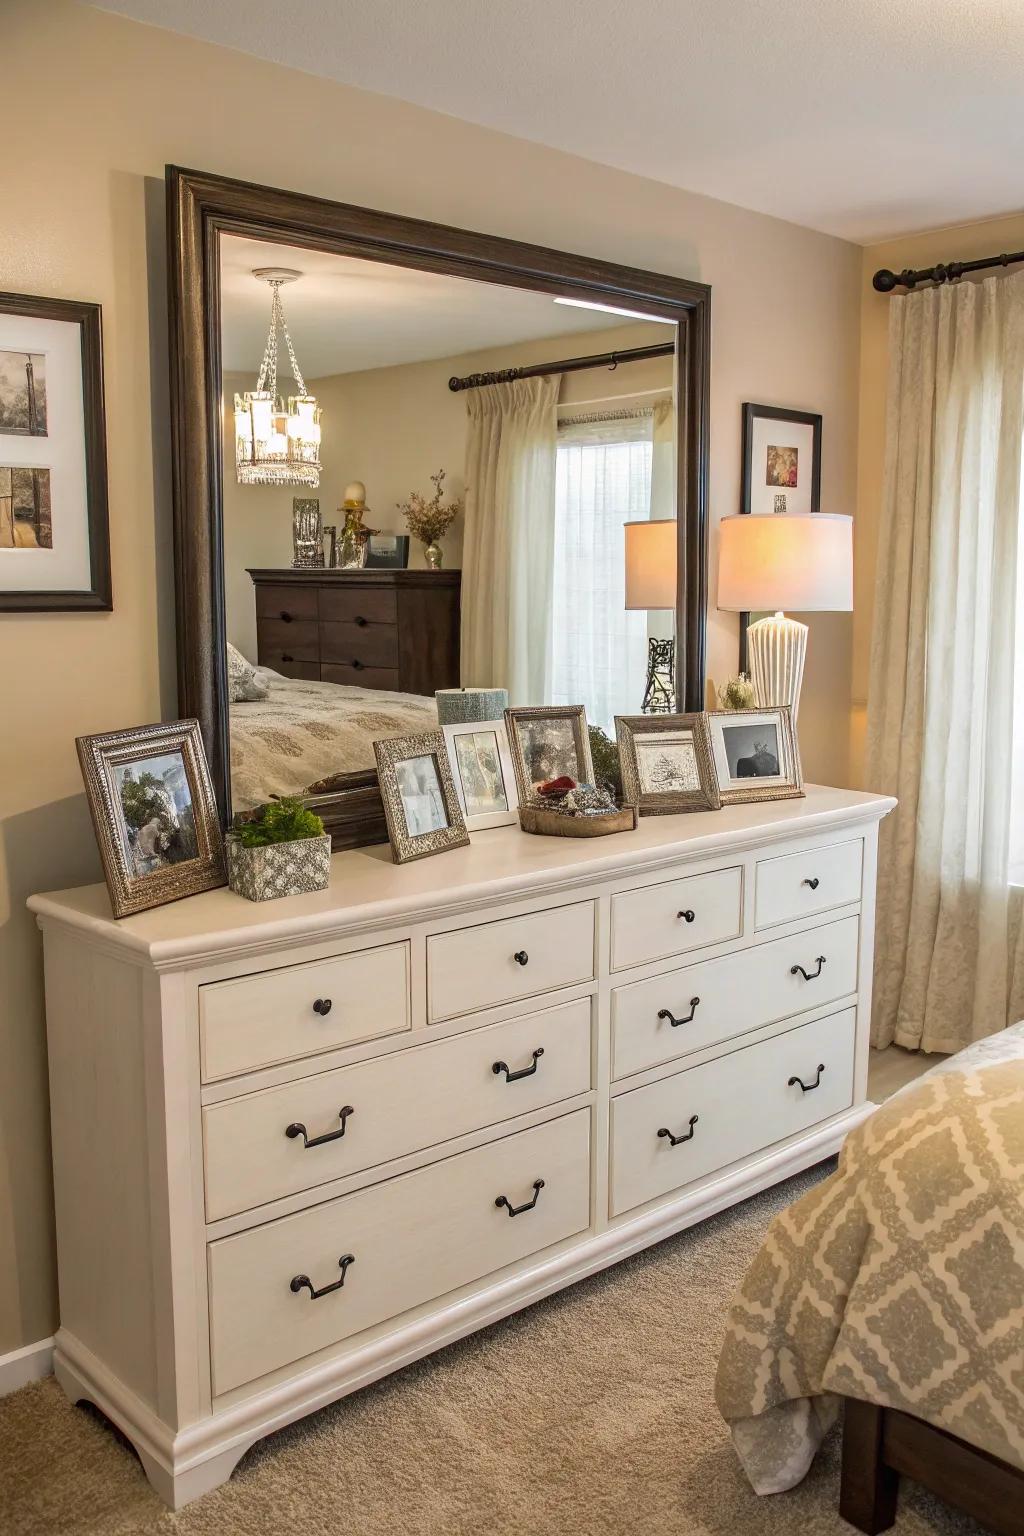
(387, 536)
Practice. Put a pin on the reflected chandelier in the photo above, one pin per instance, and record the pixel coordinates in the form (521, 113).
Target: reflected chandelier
(275, 445)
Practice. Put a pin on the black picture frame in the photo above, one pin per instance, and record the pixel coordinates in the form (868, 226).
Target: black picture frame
(752, 413)
(98, 596)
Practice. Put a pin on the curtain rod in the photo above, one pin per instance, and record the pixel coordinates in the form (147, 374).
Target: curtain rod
(610, 360)
(885, 281)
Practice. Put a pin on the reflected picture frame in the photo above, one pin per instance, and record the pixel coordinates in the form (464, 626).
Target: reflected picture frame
(109, 762)
(636, 736)
(522, 723)
(458, 739)
(416, 784)
(743, 771)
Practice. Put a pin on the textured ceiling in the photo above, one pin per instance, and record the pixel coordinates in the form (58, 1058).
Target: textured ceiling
(862, 118)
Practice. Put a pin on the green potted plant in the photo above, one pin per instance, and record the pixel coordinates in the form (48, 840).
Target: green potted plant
(281, 849)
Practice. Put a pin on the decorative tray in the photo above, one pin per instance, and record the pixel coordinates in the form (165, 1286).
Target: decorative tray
(549, 823)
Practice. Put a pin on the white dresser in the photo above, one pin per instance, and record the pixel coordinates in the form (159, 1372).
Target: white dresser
(298, 1145)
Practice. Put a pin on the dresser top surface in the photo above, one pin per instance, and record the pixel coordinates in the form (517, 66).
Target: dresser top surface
(368, 890)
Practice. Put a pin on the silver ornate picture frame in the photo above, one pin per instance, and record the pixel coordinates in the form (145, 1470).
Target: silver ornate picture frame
(666, 763)
(756, 754)
(154, 813)
(547, 742)
(421, 803)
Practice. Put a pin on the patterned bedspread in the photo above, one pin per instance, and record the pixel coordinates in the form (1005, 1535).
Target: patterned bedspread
(899, 1280)
(307, 731)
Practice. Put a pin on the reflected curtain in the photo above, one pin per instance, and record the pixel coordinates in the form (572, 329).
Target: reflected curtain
(508, 549)
(948, 962)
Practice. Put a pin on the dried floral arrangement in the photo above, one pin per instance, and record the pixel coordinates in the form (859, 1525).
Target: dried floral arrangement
(428, 520)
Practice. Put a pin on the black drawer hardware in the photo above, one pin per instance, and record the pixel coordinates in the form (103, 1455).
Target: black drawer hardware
(674, 1141)
(298, 1129)
(666, 1013)
(521, 957)
(304, 1283)
(687, 916)
(360, 621)
(323, 1006)
(798, 970)
(517, 1210)
(814, 882)
(807, 1087)
(286, 618)
(286, 657)
(357, 665)
(513, 1077)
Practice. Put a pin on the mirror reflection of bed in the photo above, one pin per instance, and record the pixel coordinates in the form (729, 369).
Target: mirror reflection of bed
(546, 470)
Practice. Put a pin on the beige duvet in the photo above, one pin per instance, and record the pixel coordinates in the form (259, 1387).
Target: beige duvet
(899, 1280)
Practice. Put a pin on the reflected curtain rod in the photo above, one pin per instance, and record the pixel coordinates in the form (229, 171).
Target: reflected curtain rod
(610, 360)
(885, 281)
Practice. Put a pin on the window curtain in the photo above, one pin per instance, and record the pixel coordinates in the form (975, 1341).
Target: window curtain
(509, 539)
(949, 965)
(603, 480)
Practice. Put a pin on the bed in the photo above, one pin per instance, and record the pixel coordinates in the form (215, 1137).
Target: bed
(306, 734)
(898, 1285)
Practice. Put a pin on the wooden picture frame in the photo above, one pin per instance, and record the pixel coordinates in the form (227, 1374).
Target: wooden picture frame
(442, 825)
(735, 744)
(178, 807)
(537, 722)
(59, 454)
(478, 814)
(686, 740)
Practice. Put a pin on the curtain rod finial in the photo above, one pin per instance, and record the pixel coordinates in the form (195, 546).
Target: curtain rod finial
(884, 281)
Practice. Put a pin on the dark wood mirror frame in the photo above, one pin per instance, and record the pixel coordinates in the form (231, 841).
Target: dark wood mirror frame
(201, 208)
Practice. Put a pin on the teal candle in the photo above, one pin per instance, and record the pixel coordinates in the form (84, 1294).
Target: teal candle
(460, 706)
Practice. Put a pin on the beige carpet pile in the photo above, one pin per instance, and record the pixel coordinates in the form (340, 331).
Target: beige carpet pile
(589, 1415)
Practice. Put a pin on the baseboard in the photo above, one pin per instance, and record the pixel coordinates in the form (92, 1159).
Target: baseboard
(24, 1365)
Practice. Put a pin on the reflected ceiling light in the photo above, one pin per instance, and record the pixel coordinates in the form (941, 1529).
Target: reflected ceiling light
(277, 444)
(614, 309)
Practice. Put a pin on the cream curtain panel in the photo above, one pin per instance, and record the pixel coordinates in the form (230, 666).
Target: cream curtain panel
(949, 964)
(509, 541)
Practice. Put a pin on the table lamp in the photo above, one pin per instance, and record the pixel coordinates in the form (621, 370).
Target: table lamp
(651, 557)
(795, 560)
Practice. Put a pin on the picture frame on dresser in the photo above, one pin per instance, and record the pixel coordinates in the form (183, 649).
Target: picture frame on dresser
(548, 741)
(485, 779)
(756, 754)
(666, 763)
(421, 802)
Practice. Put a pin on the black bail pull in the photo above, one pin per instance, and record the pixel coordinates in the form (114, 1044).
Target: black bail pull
(675, 1141)
(298, 1129)
(796, 1082)
(517, 1210)
(798, 970)
(304, 1283)
(666, 1013)
(513, 1077)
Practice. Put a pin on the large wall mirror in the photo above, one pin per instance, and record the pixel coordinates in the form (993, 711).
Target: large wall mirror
(566, 402)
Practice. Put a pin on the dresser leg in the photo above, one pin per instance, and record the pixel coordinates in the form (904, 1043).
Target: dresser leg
(868, 1490)
(179, 1489)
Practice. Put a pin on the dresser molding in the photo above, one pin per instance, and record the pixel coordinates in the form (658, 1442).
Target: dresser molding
(126, 1005)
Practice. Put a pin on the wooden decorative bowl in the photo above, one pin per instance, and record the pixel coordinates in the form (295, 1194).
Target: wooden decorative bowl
(537, 818)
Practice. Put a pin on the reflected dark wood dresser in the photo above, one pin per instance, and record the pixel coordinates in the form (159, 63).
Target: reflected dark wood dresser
(396, 630)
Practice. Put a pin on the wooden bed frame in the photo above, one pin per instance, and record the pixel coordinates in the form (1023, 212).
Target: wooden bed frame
(881, 1444)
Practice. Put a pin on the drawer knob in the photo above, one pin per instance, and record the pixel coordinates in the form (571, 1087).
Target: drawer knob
(674, 1141)
(666, 1013)
(517, 1210)
(286, 618)
(513, 1077)
(796, 1082)
(521, 957)
(360, 621)
(323, 1006)
(687, 916)
(286, 657)
(304, 1283)
(357, 666)
(298, 1129)
(814, 882)
(798, 970)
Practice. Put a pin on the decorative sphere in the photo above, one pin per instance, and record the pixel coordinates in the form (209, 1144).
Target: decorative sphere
(355, 492)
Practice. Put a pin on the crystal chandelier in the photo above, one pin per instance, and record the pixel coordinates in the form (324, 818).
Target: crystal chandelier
(275, 444)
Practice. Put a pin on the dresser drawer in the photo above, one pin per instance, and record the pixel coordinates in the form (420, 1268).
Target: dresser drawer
(669, 1016)
(286, 602)
(728, 1109)
(299, 1010)
(517, 957)
(801, 884)
(355, 674)
(276, 641)
(398, 1104)
(372, 645)
(358, 605)
(411, 1239)
(662, 920)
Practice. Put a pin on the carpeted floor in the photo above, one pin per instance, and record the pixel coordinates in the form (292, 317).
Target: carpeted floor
(590, 1415)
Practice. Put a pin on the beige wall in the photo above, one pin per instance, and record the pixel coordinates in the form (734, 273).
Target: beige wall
(82, 201)
(966, 242)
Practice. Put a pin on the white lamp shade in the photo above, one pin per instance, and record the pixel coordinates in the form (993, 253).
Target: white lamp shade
(651, 556)
(802, 562)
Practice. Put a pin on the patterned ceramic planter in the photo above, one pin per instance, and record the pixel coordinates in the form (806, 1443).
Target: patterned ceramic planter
(279, 869)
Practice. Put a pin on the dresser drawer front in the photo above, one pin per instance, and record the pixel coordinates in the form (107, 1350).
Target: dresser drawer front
(500, 962)
(358, 675)
(412, 1239)
(358, 605)
(743, 1102)
(372, 645)
(802, 884)
(731, 995)
(399, 1104)
(272, 1016)
(298, 641)
(286, 602)
(669, 919)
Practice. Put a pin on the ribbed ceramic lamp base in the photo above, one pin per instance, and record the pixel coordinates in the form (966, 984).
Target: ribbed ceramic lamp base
(777, 648)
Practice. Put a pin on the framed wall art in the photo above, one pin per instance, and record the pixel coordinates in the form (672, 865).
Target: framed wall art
(54, 543)
(666, 763)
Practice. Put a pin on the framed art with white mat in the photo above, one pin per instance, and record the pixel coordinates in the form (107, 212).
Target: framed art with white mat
(756, 755)
(485, 779)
